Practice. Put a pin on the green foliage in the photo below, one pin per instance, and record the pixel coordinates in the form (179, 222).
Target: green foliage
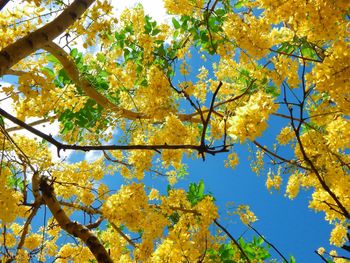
(15, 182)
(151, 26)
(195, 192)
(88, 115)
(224, 254)
(240, 4)
(299, 46)
(256, 249)
(182, 171)
(84, 118)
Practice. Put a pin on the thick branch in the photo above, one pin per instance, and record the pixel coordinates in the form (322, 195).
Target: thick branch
(73, 73)
(26, 227)
(73, 228)
(85, 85)
(23, 47)
(34, 123)
(3, 3)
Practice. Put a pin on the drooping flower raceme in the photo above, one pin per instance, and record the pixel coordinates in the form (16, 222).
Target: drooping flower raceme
(249, 120)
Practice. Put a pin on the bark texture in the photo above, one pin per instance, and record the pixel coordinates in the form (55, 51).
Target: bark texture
(73, 228)
(3, 3)
(23, 47)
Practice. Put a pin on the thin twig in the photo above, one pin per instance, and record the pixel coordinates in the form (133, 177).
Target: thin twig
(123, 235)
(292, 162)
(232, 238)
(267, 242)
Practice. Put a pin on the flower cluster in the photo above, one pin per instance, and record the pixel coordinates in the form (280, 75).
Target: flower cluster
(249, 120)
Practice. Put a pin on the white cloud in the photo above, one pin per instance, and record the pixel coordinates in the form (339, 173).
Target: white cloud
(93, 155)
(154, 8)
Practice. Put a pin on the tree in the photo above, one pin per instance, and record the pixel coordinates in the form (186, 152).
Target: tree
(134, 75)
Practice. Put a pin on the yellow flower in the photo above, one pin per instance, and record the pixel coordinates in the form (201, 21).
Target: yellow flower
(154, 194)
(245, 214)
(338, 235)
(232, 160)
(285, 136)
(274, 180)
(250, 119)
(321, 250)
(33, 241)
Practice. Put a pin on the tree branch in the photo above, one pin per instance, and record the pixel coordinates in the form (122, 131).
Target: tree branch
(206, 122)
(85, 85)
(3, 3)
(292, 162)
(269, 243)
(73, 228)
(123, 235)
(34, 123)
(60, 146)
(23, 47)
(233, 239)
(86, 209)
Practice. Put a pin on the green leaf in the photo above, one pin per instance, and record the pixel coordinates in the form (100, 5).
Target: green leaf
(220, 12)
(168, 188)
(74, 52)
(240, 4)
(201, 188)
(49, 71)
(260, 241)
(144, 82)
(175, 23)
(292, 260)
(308, 52)
(68, 126)
(272, 90)
(176, 34)
(148, 27)
(63, 77)
(120, 36)
(204, 36)
(127, 54)
(155, 31)
(101, 58)
(227, 254)
(53, 59)
(103, 74)
(195, 193)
